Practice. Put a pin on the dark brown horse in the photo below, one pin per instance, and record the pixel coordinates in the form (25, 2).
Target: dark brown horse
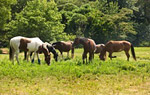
(88, 45)
(99, 48)
(64, 47)
(117, 46)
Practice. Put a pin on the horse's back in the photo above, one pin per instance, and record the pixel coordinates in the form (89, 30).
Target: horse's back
(34, 44)
(117, 46)
(67, 46)
(63, 46)
(25, 43)
(15, 42)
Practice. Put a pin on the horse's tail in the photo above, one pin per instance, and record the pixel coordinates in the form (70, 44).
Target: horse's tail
(10, 53)
(133, 52)
(92, 47)
(72, 52)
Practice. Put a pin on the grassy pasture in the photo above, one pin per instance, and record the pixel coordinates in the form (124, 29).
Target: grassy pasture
(71, 77)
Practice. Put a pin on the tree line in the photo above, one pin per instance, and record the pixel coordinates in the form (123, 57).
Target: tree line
(56, 20)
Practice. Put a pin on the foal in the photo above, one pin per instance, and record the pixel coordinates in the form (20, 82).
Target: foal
(117, 46)
(88, 45)
(64, 47)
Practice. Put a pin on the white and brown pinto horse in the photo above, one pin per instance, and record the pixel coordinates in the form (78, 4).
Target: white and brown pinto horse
(29, 45)
(117, 46)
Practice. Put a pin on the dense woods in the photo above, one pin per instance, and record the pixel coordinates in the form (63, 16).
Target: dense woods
(56, 20)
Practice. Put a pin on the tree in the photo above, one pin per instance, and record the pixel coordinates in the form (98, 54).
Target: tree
(143, 10)
(5, 12)
(39, 18)
(77, 24)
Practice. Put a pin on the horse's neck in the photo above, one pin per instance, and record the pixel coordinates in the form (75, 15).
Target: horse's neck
(45, 51)
(103, 52)
(82, 41)
(53, 51)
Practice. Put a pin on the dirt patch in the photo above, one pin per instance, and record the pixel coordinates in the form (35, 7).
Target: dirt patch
(4, 51)
(142, 89)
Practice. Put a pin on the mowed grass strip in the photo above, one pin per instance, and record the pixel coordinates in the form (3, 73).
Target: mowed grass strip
(72, 77)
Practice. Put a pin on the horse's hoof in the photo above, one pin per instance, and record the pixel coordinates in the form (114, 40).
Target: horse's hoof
(32, 61)
(39, 61)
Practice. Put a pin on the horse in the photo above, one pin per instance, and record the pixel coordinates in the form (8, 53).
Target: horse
(99, 48)
(117, 46)
(64, 47)
(29, 45)
(88, 45)
(50, 49)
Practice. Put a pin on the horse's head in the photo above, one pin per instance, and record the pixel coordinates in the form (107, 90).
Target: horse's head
(102, 55)
(52, 49)
(47, 59)
(46, 53)
(76, 41)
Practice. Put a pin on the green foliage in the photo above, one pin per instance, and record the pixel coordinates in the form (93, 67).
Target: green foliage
(38, 18)
(77, 24)
(67, 75)
(73, 68)
(56, 20)
(5, 13)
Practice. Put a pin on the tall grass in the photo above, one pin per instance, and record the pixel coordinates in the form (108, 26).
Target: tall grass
(74, 69)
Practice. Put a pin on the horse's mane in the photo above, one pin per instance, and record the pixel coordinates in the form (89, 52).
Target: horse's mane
(56, 43)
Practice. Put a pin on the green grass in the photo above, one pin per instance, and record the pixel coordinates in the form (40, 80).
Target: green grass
(71, 77)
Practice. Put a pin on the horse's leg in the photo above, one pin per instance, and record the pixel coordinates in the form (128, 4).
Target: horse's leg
(110, 55)
(28, 54)
(39, 61)
(17, 53)
(72, 52)
(90, 56)
(33, 57)
(127, 54)
(25, 55)
(61, 54)
(68, 54)
(13, 54)
(84, 56)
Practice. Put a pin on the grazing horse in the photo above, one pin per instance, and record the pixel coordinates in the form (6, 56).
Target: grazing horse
(117, 46)
(64, 47)
(50, 49)
(99, 48)
(29, 45)
(88, 45)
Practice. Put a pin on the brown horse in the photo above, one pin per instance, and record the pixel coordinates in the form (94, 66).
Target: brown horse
(117, 46)
(99, 48)
(64, 47)
(88, 45)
